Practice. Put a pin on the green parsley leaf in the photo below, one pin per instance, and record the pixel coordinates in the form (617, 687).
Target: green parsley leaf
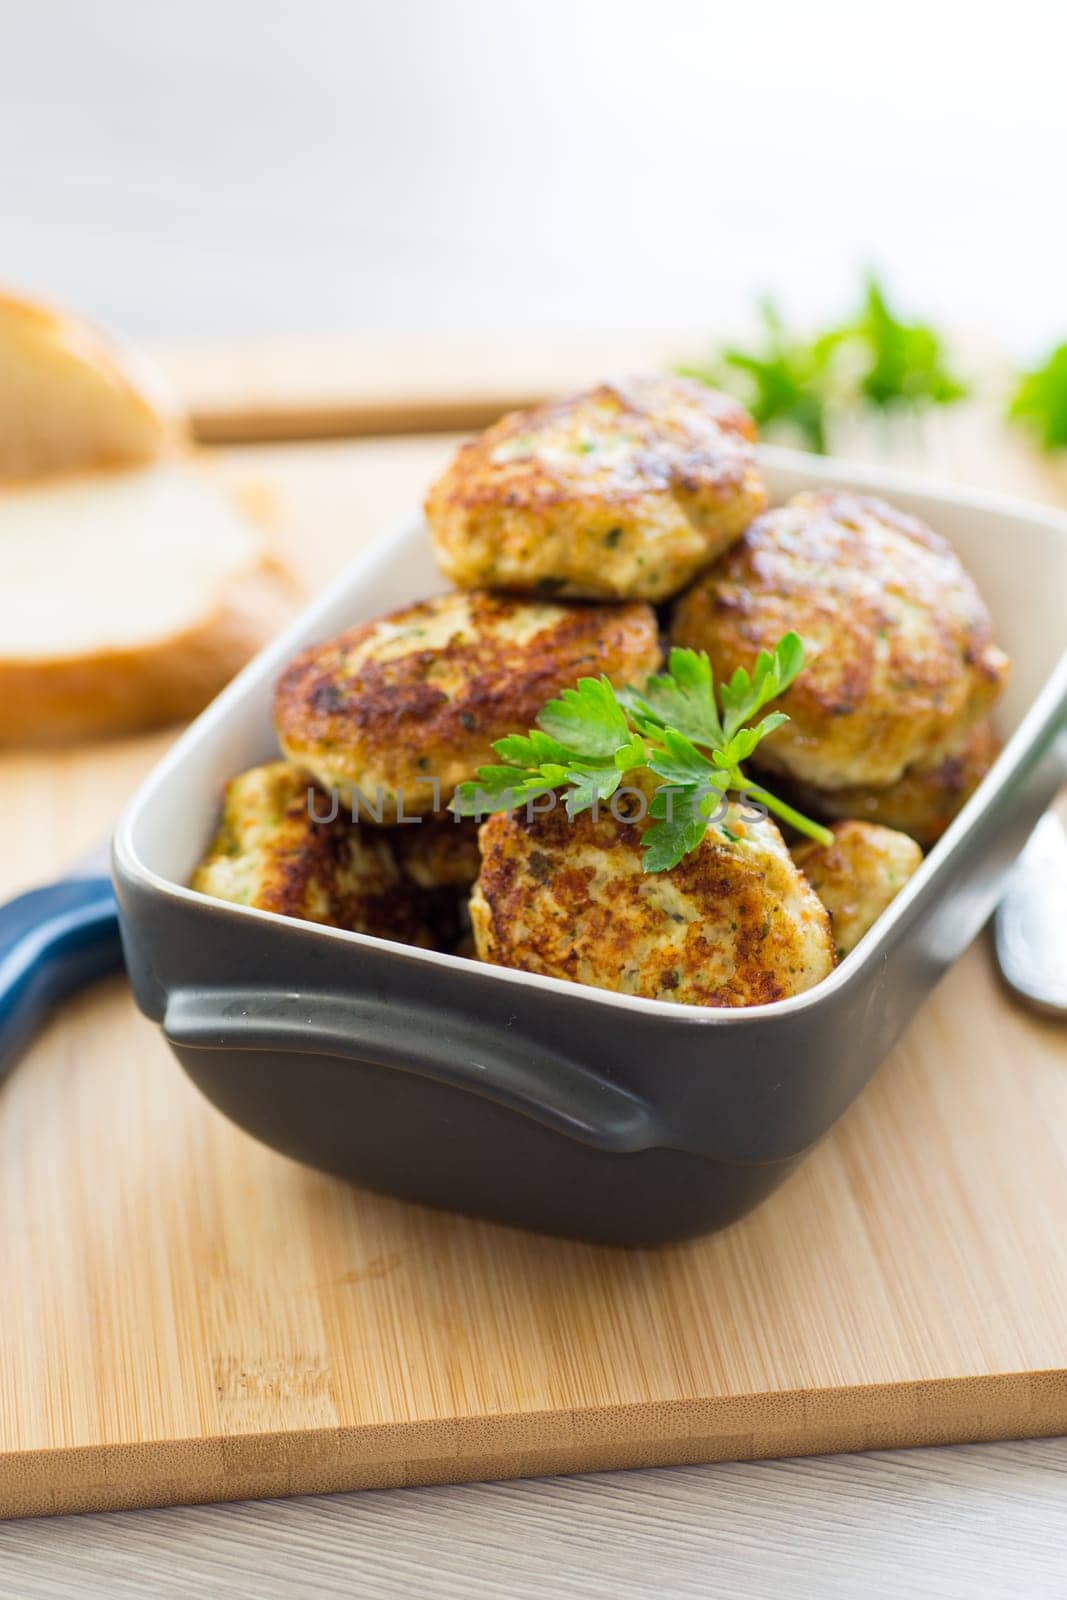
(682, 698)
(590, 787)
(591, 736)
(788, 658)
(589, 719)
(746, 693)
(905, 363)
(531, 749)
(666, 843)
(1040, 401)
(871, 359)
(679, 761)
(781, 380)
(500, 789)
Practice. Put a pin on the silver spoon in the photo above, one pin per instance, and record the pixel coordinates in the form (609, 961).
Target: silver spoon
(1031, 921)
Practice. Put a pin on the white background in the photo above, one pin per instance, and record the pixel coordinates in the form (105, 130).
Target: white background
(223, 166)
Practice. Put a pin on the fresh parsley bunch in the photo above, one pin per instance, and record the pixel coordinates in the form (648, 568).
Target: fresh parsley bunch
(873, 359)
(898, 363)
(588, 739)
(781, 380)
(1040, 401)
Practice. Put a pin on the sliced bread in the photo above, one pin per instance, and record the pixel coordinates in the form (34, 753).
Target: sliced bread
(70, 400)
(129, 599)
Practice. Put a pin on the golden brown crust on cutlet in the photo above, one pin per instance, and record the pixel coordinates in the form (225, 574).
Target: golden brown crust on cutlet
(734, 924)
(622, 492)
(271, 853)
(858, 876)
(438, 852)
(900, 652)
(423, 693)
(923, 802)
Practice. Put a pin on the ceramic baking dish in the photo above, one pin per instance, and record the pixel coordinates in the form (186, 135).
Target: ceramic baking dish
(523, 1098)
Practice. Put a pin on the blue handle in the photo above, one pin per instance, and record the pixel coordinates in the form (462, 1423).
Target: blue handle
(52, 941)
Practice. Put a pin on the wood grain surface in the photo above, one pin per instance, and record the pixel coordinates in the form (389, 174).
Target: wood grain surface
(973, 1522)
(190, 1316)
(242, 391)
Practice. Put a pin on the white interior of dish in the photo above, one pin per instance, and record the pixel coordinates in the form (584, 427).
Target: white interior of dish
(1017, 554)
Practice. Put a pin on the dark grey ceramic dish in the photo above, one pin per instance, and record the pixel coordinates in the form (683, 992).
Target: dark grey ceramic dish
(529, 1100)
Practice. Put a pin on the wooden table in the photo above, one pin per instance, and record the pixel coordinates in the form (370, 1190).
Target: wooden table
(968, 1516)
(979, 1522)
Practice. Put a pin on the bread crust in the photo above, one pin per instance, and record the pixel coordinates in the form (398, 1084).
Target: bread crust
(72, 400)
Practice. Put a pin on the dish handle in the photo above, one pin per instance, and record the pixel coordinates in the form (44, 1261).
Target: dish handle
(53, 940)
(462, 1052)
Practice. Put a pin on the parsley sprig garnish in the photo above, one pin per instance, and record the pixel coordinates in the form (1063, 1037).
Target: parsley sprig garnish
(1040, 401)
(901, 363)
(873, 359)
(781, 378)
(588, 739)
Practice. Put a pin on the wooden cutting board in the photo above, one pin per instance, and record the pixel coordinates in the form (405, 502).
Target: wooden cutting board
(188, 1316)
(367, 384)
